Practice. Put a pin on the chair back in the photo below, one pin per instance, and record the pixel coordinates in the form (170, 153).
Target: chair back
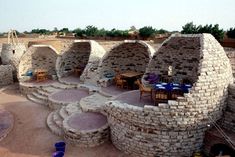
(140, 85)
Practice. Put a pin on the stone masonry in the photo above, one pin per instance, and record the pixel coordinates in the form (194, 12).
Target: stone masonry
(12, 53)
(84, 54)
(6, 76)
(176, 128)
(228, 120)
(128, 55)
(38, 57)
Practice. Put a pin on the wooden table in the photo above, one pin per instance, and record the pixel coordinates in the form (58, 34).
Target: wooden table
(131, 74)
(41, 75)
(131, 77)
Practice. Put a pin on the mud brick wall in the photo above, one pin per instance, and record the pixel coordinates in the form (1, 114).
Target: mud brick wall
(38, 57)
(6, 76)
(176, 128)
(129, 55)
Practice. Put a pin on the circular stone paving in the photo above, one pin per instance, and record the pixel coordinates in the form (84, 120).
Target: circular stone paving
(86, 129)
(69, 95)
(6, 123)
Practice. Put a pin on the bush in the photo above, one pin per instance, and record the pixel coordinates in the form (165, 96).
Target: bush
(78, 32)
(231, 33)
(117, 33)
(147, 31)
(190, 28)
(91, 31)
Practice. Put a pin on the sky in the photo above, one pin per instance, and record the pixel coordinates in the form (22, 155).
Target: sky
(25, 15)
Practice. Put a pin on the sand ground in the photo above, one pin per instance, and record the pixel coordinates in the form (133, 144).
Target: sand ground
(30, 136)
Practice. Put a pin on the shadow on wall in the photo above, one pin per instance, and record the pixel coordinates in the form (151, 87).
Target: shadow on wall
(221, 149)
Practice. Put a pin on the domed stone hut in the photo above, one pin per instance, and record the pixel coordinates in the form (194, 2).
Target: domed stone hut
(11, 54)
(81, 54)
(131, 55)
(38, 57)
(176, 128)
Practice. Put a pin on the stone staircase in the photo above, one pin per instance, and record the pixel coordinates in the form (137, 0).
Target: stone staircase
(55, 119)
(40, 95)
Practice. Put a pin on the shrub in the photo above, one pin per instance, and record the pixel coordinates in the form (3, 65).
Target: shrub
(231, 33)
(147, 31)
(190, 28)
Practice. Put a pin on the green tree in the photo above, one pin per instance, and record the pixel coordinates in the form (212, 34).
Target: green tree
(231, 33)
(79, 32)
(91, 31)
(190, 28)
(147, 31)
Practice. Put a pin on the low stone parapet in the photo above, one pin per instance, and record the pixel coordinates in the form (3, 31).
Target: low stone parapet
(87, 129)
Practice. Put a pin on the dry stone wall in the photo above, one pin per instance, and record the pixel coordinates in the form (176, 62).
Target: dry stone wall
(12, 53)
(38, 57)
(85, 54)
(6, 76)
(176, 128)
(228, 120)
(181, 54)
(76, 56)
(129, 55)
(231, 55)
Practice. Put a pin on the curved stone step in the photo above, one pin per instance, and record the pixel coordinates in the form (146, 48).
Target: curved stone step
(31, 97)
(53, 126)
(72, 108)
(58, 119)
(59, 85)
(50, 89)
(39, 96)
(41, 92)
(63, 113)
(94, 102)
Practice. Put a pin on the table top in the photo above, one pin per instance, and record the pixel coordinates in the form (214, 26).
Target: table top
(131, 74)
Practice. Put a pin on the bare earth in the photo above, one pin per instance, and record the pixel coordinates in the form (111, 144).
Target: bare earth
(30, 136)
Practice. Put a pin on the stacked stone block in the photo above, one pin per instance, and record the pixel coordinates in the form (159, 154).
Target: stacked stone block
(129, 55)
(176, 128)
(12, 53)
(76, 56)
(228, 121)
(81, 54)
(6, 76)
(38, 57)
(85, 138)
(231, 56)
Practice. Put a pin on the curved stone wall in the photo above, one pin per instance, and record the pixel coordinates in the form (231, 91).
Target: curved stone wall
(176, 128)
(228, 120)
(57, 44)
(81, 54)
(128, 55)
(6, 76)
(38, 57)
(12, 53)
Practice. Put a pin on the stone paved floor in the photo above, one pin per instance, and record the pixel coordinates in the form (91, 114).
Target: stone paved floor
(87, 121)
(72, 79)
(69, 95)
(133, 98)
(35, 83)
(30, 136)
(113, 90)
(6, 123)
